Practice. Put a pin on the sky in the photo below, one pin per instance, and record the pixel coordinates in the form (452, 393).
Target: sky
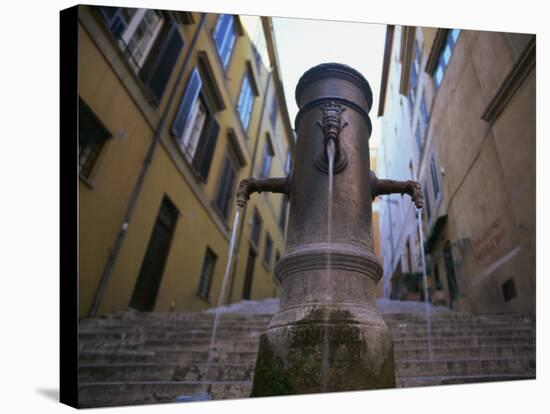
(302, 44)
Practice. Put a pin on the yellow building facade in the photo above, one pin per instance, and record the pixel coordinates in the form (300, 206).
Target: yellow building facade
(176, 108)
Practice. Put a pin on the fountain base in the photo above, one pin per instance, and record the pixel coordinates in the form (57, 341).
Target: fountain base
(290, 357)
(328, 335)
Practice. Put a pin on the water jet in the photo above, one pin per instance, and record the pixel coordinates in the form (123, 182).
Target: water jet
(328, 334)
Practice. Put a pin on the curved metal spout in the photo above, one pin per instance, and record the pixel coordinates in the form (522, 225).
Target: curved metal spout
(384, 187)
(257, 185)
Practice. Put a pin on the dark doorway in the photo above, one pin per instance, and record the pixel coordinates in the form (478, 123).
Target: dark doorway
(247, 288)
(450, 270)
(150, 274)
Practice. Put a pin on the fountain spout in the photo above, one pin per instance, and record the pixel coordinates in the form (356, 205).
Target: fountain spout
(385, 187)
(257, 185)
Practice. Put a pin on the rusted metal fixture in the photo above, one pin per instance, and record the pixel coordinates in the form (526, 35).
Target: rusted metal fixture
(328, 334)
(257, 185)
(385, 187)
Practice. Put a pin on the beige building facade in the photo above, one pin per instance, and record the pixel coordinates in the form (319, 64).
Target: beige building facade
(467, 99)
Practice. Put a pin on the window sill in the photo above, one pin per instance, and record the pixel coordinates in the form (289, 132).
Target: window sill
(254, 246)
(198, 177)
(86, 181)
(204, 299)
(221, 217)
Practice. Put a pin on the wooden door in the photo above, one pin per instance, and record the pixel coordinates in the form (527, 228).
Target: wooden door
(152, 267)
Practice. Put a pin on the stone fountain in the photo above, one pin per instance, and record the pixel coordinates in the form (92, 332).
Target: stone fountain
(328, 335)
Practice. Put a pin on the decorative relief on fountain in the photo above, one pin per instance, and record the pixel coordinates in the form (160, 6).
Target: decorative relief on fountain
(332, 123)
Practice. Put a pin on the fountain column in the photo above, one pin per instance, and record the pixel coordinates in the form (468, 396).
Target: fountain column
(334, 102)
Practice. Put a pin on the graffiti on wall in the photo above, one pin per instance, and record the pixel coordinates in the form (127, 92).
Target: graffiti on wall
(488, 244)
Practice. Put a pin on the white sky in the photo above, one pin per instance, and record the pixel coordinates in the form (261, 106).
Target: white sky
(302, 44)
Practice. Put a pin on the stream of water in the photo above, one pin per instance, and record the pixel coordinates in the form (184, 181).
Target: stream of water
(221, 297)
(425, 283)
(328, 294)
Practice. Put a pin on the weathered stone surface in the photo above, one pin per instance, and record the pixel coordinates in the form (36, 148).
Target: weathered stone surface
(124, 372)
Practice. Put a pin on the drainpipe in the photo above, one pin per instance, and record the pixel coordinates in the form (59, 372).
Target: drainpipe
(141, 178)
(250, 174)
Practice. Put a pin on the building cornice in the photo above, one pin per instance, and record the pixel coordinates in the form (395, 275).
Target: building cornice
(267, 25)
(517, 75)
(435, 51)
(407, 43)
(385, 69)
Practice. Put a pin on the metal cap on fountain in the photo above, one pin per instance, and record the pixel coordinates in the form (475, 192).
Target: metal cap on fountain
(328, 335)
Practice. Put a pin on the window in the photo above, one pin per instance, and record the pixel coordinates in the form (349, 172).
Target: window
(150, 41)
(274, 111)
(415, 70)
(409, 256)
(268, 249)
(246, 100)
(225, 37)
(424, 114)
(256, 229)
(435, 177)
(410, 100)
(195, 128)
(438, 285)
(267, 157)
(288, 162)
(226, 187)
(92, 135)
(509, 290)
(427, 202)
(418, 138)
(282, 217)
(445, 56)
(205, 280)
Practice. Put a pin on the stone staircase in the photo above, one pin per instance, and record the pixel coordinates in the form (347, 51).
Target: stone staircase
(139, 358)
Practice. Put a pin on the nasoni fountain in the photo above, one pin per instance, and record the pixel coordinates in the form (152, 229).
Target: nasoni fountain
(328, 335)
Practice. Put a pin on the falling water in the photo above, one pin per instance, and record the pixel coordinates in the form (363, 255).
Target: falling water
(328, 297)
(425, 282)
(221, 297)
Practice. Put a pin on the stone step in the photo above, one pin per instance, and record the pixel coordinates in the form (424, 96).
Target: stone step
(160, 357)
(165, 372)
(242, 344)
(482, 366)
(455, 316)
(397, 333)
(191, 321)
(458, 325)
(462, 341)
(403, 382)
(207, 325)
(465, 352)
(507, 331)
(121, 333)
(107, 394)
(136, 339)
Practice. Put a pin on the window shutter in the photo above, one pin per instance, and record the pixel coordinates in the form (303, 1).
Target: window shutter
(205, 152)
(165, 62)
(223, 186)
(190, 95)
(226, 186)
